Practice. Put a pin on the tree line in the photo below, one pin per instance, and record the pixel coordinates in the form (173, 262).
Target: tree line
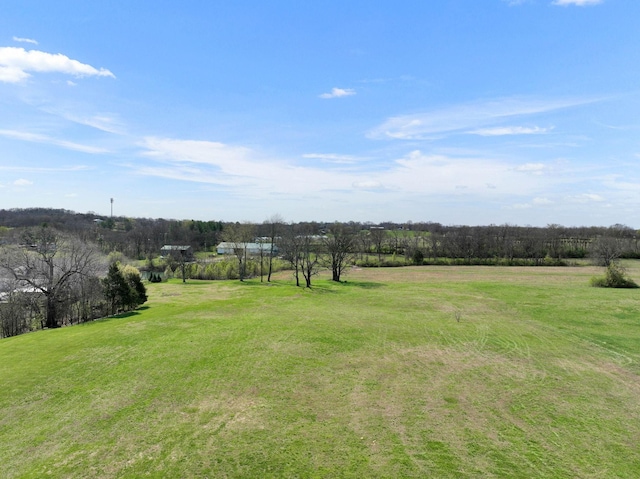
(142, 238)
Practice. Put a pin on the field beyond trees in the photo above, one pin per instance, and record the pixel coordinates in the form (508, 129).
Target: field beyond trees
(403, 372)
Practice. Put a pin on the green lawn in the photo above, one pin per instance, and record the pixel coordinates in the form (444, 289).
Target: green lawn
(399, 372)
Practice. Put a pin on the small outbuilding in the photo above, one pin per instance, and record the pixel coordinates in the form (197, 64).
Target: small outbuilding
(227, 247)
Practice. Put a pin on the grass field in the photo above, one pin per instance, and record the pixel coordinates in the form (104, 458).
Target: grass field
(405, 372)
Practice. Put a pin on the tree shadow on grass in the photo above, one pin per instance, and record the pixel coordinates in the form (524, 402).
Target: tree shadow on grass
(336, 287)
(362, 284)
(128, 314)
(319, 286)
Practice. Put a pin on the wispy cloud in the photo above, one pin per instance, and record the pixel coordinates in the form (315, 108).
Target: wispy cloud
(233, 166)
(470, 116)
(536, 202)
(532, 168)
(103, 122)
(212, 153)
(38, 138)
(338, 92)
(246, 172)
(579, 3)
(441, 174)
(371, 185)
(585, 198)
(107, 122)
(510, 130)
(31, 169)
(22, 182)
(25, 40)
(16, 63)
(337, 159)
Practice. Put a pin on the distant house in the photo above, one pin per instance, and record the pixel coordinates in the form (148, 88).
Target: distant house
(227, 247)
(177, 251)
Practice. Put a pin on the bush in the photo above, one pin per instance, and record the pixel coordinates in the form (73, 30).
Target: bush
(615, 277)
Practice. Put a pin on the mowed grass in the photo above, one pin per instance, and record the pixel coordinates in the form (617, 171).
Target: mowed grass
(407, 372)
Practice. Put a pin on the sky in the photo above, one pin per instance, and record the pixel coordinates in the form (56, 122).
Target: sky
(469, 112)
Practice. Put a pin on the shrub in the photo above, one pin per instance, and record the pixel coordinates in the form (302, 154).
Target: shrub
(615, 277)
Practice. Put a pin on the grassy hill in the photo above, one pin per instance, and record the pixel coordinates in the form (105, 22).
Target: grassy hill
(409, 372)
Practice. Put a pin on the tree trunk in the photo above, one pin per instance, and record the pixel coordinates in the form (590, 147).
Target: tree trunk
(270, 262)
(51, 321)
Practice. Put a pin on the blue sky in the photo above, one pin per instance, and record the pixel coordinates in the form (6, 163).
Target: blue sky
(461, 112)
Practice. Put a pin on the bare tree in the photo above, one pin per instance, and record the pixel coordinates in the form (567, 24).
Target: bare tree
(364, 243)
(275, 225)
(605, 250)
(291, 246)
(239, 235)
(309, 257)
(49, 262)
(378, 237)
(339, 246)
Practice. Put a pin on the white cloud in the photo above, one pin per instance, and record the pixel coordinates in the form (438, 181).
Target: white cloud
(104, 122)
(585, 198)
(22, 182)
(533, 168)
(469, 116)
(15, 63)
(510, 130)
(535, 202)
(29, 169)
(579, 3)
(222, 164)
(25, 40)
(330, 158)
(367, 185)
(37, 138)
(107, 122)
(246, 175)
(520, 206)
(230, 158)
(338, 92)
(440, 174)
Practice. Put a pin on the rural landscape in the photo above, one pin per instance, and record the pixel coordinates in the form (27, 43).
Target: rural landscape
(410, 365)
(320, 240)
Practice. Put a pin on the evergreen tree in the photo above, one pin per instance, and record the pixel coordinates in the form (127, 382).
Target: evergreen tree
(123, 288)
